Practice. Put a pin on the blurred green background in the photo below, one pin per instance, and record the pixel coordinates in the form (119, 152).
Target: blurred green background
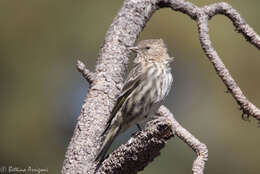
(42, 92)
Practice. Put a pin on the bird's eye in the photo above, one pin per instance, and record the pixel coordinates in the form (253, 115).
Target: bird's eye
(147, 48)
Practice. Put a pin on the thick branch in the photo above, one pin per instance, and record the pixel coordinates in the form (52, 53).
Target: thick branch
(110, 70)
(141, 149)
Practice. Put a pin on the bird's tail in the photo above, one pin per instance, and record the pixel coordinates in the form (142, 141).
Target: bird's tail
(112, 133)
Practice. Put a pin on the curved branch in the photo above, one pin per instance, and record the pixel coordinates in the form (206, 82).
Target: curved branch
(182, 6)
(247, 107)
(202, 16)
(142, 148)
(110, 70)
(198, 147)
(239, 23)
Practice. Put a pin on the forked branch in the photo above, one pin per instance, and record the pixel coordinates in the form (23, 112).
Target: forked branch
(202, 16)
(110, 70)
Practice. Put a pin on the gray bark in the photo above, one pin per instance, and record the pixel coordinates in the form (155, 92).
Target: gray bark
(106, 82)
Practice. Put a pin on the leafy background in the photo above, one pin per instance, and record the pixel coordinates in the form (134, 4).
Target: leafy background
(41, 91)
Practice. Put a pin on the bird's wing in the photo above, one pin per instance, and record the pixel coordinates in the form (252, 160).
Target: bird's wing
(132, 81)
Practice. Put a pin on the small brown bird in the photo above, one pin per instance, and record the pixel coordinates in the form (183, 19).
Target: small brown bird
(146, 86)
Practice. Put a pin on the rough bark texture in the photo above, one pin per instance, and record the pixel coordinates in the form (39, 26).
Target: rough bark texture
(108, 77)
(110, 70)
(140, 150)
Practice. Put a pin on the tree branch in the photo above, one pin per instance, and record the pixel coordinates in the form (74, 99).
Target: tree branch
(199, 148)
(88, 75)
(111, 67)
(202, 16)
(239, 23)
(206, 13)
(142, 148)
(110, 70)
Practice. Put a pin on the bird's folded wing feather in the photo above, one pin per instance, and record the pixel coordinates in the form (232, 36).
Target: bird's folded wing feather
(132, 82)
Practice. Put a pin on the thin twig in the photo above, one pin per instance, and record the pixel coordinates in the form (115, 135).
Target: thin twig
(247, 107)
(87, 74)
(198, 147)
(239, 23)
(202, 16)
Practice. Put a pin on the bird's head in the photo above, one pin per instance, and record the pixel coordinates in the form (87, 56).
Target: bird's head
(151, 50)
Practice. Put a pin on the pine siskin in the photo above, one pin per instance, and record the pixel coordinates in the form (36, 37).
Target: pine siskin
(147, 84)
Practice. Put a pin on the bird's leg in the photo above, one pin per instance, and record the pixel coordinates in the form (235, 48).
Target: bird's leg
(139, 127)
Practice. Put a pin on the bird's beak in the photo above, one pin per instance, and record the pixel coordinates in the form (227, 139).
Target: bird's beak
(134, 49)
